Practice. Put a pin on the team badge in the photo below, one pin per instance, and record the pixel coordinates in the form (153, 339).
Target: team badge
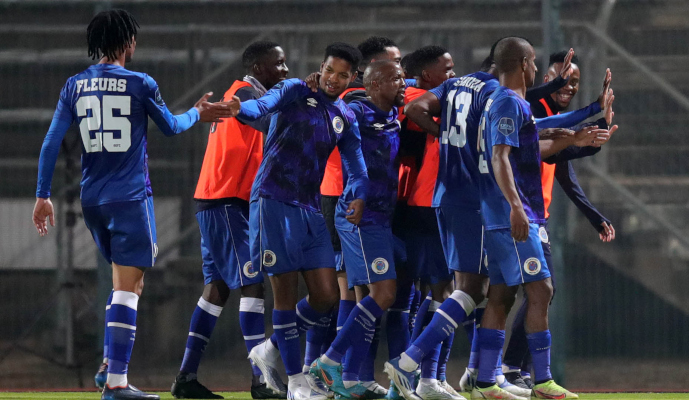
(532, 266)
(338, 125)
(506, 126)
(249, 270)
(543, 234)
(380, 265)
(269, 258)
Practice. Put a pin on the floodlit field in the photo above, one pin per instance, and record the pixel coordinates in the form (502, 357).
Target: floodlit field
(247, 396)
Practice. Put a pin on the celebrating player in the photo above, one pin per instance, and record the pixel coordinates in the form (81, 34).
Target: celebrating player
(287, 231)
(233, 155)
(111, 105)
(367, 247)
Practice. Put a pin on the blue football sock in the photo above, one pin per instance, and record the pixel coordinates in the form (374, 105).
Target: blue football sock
(367, 370)
(473, 356)
(451, 313)
(200, 329)
(414, 309)
(287, 335)
(106, 335)
(358, 332)
(252, 324)
(315, 326)
(445, 356)
(332, 331)
(539, 344)
(420, 319)
(490, 348)
(398, 321)
(346, 307)
(122, 331)
(429, 364)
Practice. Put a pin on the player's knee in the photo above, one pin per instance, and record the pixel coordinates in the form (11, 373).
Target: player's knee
(324, 300)
(216, 293)
(255, 290)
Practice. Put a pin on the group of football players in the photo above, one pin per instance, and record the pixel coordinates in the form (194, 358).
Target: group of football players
(388, 183)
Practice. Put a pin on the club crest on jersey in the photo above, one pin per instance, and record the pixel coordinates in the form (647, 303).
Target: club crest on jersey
(506, 126)
(338, 125)
(249, 270)
(380, 265)
(543, 234)
(269, 258)
(532, 266)
(311, 102)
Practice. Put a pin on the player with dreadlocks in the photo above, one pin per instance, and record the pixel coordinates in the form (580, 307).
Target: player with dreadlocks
(111, 105)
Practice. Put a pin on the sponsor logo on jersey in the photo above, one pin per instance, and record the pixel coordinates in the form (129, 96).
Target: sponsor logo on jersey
(311, 102)
(380, 265)
(543, 234)
(338, 125)
(159, 98)
(249, 270)
(269, 258)
(532, 266)
(506, 126)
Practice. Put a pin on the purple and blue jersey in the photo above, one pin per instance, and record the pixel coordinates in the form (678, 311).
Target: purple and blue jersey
(304, 130)
(508, 120)
(380, 144)
(111, 105)
(462, 100)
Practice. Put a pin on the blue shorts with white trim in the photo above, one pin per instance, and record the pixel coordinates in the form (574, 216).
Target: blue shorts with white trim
(514, 263)
(461, 233)
(368, 253)
(125, 232)
(225, 246)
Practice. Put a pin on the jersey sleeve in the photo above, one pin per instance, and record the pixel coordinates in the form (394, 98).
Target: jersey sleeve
(279, 96)
(569, 119)
(441, 91)
(410, 82)
(536, 93)
(506, 119)
(564, 173)
(262, 124)
(169, 124)
(62, 120)
(353, 160)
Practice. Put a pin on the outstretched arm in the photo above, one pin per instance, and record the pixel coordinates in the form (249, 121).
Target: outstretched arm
(422, 112)
(280, 95)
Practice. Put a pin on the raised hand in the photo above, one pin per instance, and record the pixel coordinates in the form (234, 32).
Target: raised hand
(554, 133)
(602, 98)
(608, 108)
(213, 112)
(312, 81)
(43, 211)
(567, 65)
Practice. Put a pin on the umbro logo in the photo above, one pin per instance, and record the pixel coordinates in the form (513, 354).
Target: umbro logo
(379, 127)
(311, 102)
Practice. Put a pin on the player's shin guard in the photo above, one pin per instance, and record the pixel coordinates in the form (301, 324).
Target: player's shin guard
(106, 335)
(200, 329)
(539, 345)
(252, 324)
(398, 320)
(490, 348)
(447, 318)
(358, 331)
(421, 320)
(287, 335)
(122, 331)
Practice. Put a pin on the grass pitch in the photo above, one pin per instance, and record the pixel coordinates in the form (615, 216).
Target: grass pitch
(247, 396)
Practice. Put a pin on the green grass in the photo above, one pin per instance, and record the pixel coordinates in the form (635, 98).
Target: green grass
(247, 396)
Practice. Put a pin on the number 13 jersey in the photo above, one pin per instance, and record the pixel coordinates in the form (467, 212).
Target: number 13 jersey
(462, 101)
(111, 106)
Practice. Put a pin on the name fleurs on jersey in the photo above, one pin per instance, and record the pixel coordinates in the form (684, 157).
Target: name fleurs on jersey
(471, 83)
(102, 84)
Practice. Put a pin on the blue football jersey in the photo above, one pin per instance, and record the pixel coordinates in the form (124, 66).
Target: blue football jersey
(111, 105)
(380, 143)
(304, 130)
(508, 120)
(462, 100)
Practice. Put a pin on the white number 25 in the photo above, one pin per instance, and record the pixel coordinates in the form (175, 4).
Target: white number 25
(103, 115)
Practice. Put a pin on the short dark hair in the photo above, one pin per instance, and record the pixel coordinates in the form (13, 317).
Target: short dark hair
(374, 46)
(255, 51)
(421, 58)
(344, 51)
(109, 33)
(559, 57)
(404, 62)
(492, 48)
(509, 52)
(486, 64)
